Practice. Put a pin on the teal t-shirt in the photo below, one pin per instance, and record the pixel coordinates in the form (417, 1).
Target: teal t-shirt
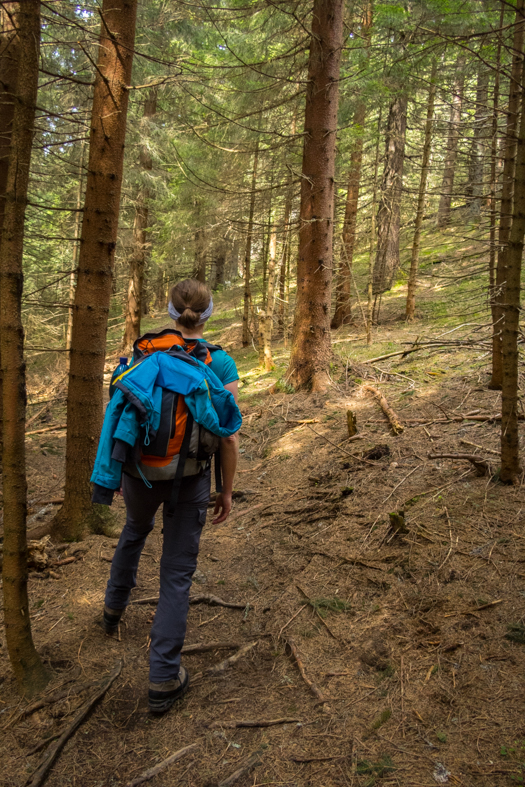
(223, 366)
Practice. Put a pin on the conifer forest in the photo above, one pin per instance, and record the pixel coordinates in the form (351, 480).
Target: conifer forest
(348, 179)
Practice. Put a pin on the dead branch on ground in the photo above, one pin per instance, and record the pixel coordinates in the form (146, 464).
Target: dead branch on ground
(47, 429)
(204, 647)
(204, 598)
(38, 777)
(253, 760)
(149, 774)
(483, 466)
(300, 665)
(223, 665)
(395, 424)
(230, 725)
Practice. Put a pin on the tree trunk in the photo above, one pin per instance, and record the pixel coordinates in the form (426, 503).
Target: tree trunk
(76, 250)
(311, 347)
(389, 211)
(248, 256)
(267, 316)
(199, 270)
(220, 256)
(447, 183)
(507, 188)
(370, 279)
(287, 239)
(414, 263)
(510, 466)
(476, 168)
(343, 304)
(494, 164)
(9, 60)
(141, 243)
(95, 268)
(27, 667)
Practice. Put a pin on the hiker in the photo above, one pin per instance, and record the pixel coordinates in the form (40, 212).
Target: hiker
(180, 482)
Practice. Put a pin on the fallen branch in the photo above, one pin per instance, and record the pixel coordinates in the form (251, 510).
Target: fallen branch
(230, 725)
(395, 424)
(354, 456)
(475, 445)
(35, 416)
(222, 666)
(483, 466)
(251, 762)
(213, 601)
(47, 429)
(38, 777)
(298, 660)
(204, 647)
(149, 774)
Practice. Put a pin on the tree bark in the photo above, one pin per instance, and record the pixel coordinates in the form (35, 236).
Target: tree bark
(311, 347)
(76, 250)
(414, 262)
(507, 189)
(9, 61)
(494, 164)
(141, 243)
(95, 268)
(267, 316)
(370, 278)
(27, 667)
(199, 268)
(476, 168)
(343, 304)
(287, 239)
(248, 256)
(510, 465)
(447, 183)
(389, 211)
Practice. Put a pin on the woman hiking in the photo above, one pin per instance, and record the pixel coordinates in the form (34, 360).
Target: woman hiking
(149, 482)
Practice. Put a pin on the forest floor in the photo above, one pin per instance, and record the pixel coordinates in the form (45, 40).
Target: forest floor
(412, 644)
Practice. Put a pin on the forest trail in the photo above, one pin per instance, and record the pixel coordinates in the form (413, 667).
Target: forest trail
(405, 636)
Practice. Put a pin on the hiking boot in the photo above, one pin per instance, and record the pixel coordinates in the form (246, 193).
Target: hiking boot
(111, 620)
(162, 696)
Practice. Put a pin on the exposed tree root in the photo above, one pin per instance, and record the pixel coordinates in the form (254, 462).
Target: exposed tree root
(39, 776)
(151, 772)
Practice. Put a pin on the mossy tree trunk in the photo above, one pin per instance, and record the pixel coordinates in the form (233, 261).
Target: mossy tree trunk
(29, 670)
(95, 266)
(311, 346)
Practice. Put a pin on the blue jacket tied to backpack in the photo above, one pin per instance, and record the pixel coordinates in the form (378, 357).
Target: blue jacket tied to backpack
(137, 402)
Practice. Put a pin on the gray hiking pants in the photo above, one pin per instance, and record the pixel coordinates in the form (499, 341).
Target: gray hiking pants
(181, 536)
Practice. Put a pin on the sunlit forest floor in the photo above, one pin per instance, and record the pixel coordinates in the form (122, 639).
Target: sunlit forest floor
(414, 641)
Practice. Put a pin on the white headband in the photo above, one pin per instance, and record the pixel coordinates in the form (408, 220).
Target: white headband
(206, 314)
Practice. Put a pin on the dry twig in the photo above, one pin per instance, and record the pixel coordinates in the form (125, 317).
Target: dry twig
(298, 660)
(230, 725)
(204, 647)
(203, 598)
(223, 665)
(483, 466)
(253, 760)
(149, 774)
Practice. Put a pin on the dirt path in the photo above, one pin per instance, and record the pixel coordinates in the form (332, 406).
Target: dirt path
(409, 675)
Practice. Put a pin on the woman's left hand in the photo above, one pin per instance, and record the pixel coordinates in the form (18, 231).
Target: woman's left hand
(223, 506)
